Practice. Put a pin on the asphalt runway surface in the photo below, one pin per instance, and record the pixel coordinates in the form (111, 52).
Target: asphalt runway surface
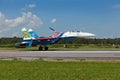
(60, 55)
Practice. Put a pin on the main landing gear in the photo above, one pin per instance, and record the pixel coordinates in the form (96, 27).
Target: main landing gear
(41, 48)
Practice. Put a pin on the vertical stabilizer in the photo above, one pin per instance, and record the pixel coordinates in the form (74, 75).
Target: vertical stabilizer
(33, 34)
(56, 33)
(51, 29)
(26, 35)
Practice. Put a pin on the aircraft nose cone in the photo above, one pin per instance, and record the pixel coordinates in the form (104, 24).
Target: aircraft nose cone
(92, 35)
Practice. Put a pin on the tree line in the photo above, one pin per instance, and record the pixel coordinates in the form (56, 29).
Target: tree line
(103, 41)
(10, 40)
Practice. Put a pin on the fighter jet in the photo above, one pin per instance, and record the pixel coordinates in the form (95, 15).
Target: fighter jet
(30, 38)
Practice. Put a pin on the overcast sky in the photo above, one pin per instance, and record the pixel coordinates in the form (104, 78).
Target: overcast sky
(101, 17)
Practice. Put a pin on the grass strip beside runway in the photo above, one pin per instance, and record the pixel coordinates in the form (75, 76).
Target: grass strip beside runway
(41, 70)
(61, 47)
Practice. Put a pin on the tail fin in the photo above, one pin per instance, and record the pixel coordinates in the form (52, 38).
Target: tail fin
(26, 35)
(56, 33)
(51, 29)
(33, 34)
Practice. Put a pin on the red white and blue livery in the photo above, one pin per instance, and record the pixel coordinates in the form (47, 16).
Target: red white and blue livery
(30, 38)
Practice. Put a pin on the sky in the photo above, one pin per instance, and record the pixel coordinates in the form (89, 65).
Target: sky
(101, 17)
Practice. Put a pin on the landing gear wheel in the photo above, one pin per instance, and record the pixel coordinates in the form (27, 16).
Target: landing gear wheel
(40, 48)
(46, 48)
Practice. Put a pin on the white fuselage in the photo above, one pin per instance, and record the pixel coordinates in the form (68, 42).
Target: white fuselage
(77, 34)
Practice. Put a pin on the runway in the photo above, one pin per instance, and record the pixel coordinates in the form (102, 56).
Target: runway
(60, 55)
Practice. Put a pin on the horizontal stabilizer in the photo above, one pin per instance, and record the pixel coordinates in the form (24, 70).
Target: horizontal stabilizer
(24, 43)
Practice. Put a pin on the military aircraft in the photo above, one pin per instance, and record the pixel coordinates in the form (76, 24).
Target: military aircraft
(30, 38)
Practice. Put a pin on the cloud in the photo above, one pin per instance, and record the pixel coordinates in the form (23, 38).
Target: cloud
(53, 21)
(116, 6)
(28, 6)
(27, 19)
(31, 5)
